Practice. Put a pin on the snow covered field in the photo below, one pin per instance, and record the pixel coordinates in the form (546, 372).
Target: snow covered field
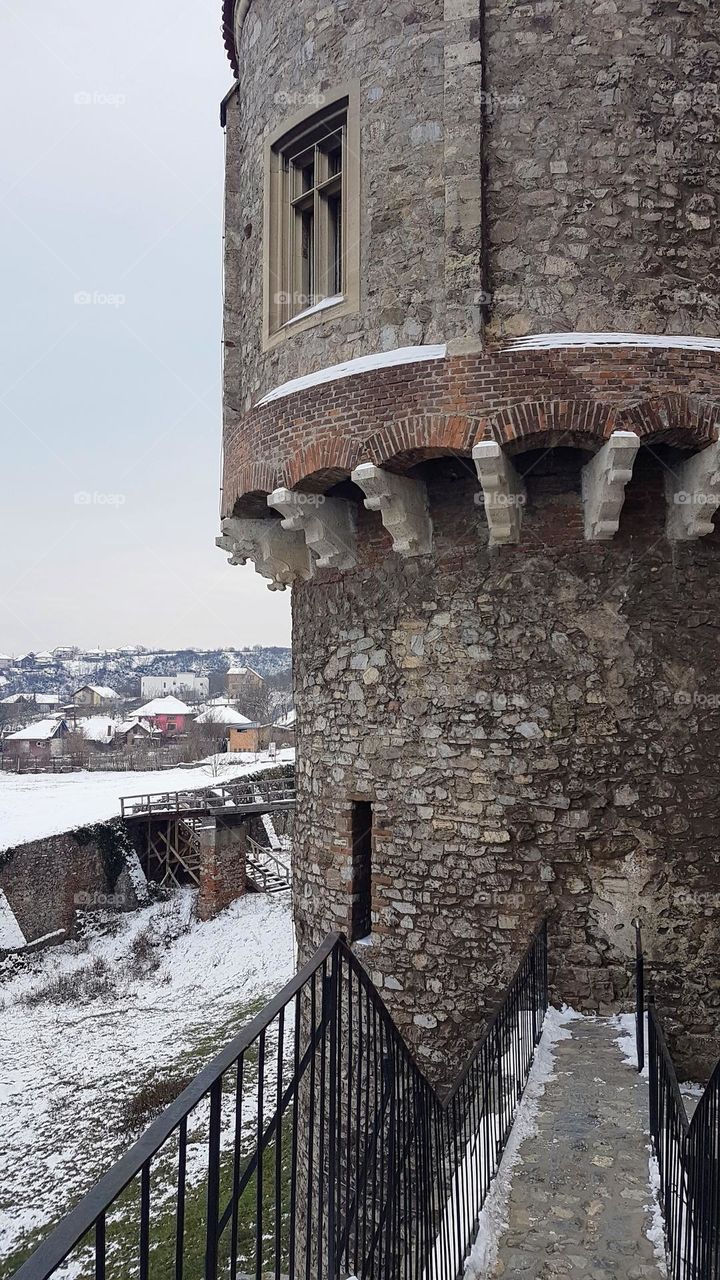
(33, 805)
(141, 999)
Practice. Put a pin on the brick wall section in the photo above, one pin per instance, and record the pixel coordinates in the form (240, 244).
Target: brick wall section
(536, 727)
(562, 396)
(222, 871)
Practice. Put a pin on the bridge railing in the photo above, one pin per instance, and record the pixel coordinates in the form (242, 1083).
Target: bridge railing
(687, 1151)
(227, 795)
(312, 1147)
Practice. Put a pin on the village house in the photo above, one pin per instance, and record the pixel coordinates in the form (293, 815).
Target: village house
(95, 695)
(184, 682)
(169, 715)
(134, 733)
(242, 681)
(258, 737)
(40, 742)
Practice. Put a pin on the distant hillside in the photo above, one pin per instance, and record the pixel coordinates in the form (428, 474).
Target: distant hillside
(63, 670)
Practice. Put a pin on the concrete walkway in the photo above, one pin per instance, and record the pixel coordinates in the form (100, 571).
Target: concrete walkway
(578, 1198)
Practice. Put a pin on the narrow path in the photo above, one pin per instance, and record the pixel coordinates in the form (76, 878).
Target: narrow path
(579, 1195)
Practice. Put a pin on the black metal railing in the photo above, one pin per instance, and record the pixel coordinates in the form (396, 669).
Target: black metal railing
(687, 1151)
(312, 1147)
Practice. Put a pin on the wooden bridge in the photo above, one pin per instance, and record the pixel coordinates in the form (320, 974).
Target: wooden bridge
(181, 835)
(233, 799)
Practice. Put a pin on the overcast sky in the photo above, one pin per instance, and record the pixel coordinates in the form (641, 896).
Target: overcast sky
(110, 317)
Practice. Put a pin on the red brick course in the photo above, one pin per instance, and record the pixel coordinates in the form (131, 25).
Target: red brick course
(396, 416)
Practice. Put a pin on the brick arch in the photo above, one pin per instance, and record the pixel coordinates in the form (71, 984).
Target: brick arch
(320, 465)
(678, 419)
(580, 423)
(409, 440)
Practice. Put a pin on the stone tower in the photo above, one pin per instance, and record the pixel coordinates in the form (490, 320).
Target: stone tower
(472, 399)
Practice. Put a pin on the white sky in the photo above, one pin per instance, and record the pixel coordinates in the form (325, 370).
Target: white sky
(110, 315)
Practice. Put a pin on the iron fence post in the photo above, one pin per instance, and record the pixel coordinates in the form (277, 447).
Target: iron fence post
(639, 997)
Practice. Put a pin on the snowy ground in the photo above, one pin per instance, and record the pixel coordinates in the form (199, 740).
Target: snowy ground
(34, 805)
(143, 997)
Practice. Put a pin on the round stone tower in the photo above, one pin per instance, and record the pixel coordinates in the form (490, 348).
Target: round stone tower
(472, 399)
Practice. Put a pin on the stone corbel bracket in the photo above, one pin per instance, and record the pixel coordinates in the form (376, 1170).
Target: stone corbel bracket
(503, 492)
(326, 523)
(277, 554)
(693, 496)
(403, 507)
(603, 485)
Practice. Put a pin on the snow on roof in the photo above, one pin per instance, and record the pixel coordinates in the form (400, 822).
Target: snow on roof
(47, 699)
(223, 715)
(97, 728)
(40, 731)
(16, 697)
(168, 706)
(543, 341)
(362, 364)
(102, 690)
(287, 721)
(135, 723)
(244, 671)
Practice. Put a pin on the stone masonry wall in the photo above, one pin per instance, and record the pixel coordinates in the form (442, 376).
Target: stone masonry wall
(536, 728)
(524, 168)
(603, 187)
(47, 881)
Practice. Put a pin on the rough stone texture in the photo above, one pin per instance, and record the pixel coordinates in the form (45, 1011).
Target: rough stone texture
(602, 189)
(536, 724)
(291, 55)
(579, 1197)
(536, 727)
(570, 182)
(222, 869)
(48, 881)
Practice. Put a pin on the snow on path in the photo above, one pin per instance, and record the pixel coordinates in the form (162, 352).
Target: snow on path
(35, 805)
(67, 1068)
(494, 1213)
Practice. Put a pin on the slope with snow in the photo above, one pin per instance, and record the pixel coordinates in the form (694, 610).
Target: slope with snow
(86, 1027)
(34, 805)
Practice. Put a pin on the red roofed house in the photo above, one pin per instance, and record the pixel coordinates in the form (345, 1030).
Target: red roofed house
(169, 715)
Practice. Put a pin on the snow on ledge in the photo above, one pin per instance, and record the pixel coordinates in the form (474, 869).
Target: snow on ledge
(545, 341)
(362, 364)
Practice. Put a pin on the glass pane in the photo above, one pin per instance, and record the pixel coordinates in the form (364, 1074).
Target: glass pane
(334, 161)
(335, 244)
(307, 260)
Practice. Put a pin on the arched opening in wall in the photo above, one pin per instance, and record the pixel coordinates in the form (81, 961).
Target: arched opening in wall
(644, 510)
(254, 506)
(552, 473)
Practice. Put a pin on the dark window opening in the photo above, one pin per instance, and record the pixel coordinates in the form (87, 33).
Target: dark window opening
(360, 919)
